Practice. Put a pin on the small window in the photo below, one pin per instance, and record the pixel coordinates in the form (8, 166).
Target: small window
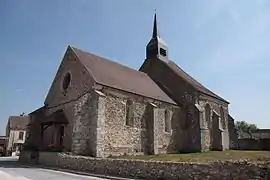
(167, 122)
(21, 135)
(163, 52)
(129, 113)
(66, 81)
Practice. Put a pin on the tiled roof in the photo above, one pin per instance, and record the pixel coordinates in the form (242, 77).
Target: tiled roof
(18, 122)
(198, 86)
(115, 75)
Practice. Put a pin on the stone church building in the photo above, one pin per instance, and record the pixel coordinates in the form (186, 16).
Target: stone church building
(117, 110)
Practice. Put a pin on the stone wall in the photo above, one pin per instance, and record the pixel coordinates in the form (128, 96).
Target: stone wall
(147, 133)
(85, 125)
(253, 144)
(58, 98)
(81, 81)
(182, 93)
(216, 124)
(153, 170)
(232, 133)
(89, 123)
(199, 137)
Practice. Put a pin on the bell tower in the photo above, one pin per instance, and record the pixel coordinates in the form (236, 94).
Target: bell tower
(156, 48)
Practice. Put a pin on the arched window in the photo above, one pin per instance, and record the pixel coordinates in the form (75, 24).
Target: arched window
(66, 81)
(167, 120)
(129, 113)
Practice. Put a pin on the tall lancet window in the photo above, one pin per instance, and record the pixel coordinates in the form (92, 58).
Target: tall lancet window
(222, 118)
(167, 122)
(129, 113)
(208, 123)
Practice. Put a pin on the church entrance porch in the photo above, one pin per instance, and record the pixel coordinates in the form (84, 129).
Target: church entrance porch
(53, 131)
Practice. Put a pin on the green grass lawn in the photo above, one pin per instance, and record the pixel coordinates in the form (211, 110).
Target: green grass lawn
(206, 156)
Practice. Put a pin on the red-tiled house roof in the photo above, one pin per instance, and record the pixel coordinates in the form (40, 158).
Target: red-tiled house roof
(115, 75)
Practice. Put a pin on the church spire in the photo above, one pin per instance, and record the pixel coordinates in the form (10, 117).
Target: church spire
(155, 27)
(156, 48)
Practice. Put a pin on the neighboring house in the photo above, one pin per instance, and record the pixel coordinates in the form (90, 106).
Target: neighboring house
(16, 132)
(3, 145)
(98, 107)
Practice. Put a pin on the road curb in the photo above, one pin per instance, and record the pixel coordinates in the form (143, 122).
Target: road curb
(75, 172)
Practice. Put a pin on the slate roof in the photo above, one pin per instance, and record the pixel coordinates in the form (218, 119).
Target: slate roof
(198, 86)
(115, 75)
(18, 122)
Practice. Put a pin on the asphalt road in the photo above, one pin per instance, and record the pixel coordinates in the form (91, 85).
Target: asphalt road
(11, 170)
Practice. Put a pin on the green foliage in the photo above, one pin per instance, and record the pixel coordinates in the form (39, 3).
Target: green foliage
(245, 127)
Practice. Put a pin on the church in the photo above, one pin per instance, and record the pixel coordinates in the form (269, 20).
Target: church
(122, 111)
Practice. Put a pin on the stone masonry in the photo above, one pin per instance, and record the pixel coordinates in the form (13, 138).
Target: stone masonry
(237, 170)
(200, 133)
(109, 109)
(88, 129)
(120, 138)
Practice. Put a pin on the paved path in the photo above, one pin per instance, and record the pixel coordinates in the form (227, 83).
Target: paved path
(11, 170)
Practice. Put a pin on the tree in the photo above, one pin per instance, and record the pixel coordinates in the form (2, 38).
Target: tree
(243, 126)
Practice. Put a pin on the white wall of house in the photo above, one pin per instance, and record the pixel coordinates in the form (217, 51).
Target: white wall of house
(14, 137)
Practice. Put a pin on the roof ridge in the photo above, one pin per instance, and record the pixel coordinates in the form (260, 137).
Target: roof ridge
(197, 84)
(119, 76)
(88, 70)
(107, 59)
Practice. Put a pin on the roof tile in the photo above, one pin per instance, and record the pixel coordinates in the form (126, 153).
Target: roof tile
(115, 75)
(18, 122)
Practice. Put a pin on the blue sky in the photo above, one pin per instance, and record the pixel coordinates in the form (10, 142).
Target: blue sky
(223, 44)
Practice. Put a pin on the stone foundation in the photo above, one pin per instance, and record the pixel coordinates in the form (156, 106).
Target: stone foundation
(153, 169)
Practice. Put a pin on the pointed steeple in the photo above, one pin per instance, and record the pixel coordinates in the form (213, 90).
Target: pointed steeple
(156, 48)
(155, 27)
